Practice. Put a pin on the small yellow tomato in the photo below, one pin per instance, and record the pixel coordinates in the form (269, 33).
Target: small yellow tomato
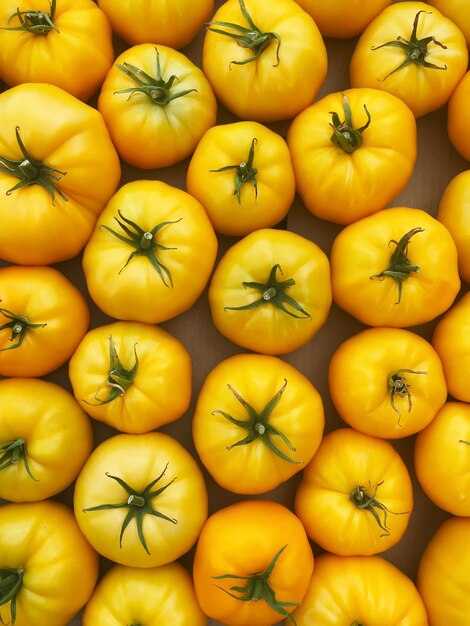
(458, 117)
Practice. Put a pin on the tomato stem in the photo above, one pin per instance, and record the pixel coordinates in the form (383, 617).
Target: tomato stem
(463, 441)
(10, 584)
(12, 453)
(20, 325)
(36, 22)
(344, 135)
(399, 386)
(244, 172)
(364, 501)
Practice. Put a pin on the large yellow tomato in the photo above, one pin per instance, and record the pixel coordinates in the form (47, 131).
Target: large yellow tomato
(47, 569)
(58, 168)
(356, 496)
(151, 253)
(242, 175)
(43, 318)
(442, 458)
(412, 51)
(132, 595)
(140, 500)
(396, 268)
(356, 590)
(458, 118)
(352, 152)
(265, 61)
(271, 291)
(387, 382)
(456, 10)
(253, 564)
(66, 43)
(257, 422)
(443, 580)
(132, 376)
(157, 105)
(45, 438)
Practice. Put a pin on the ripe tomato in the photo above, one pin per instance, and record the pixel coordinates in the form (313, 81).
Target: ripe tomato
(457, 11)
(58, 168)
(396, 268)
(257, 422)
(140, 500)
(387, 382)
(271, 291)
(66, 43)
(242, 175)
(43, 318)
(265, 62)
(357, 590)
(412, 51)
(443, 580)
(451, 340)
(458, 118)
(442, 458)
(361, 166)
(356, 496)
(134, 377)
(172, 24)
(151, 253)
(253, 564)
(157, 105)
(45, 438)
(47, 569)
(131, 595)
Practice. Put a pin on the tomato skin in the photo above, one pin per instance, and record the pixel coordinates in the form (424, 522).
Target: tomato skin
(458, 117)
(145, 133)
(238, 540)
(139, 460)
(451, 340)
(423, 89)
(136, 291)
(359, 374)
(43, 296)
(149, 596)
(359, 589)
(267, 329)
(60, 567)
(343, 187)
(345, 460)
(64, 133)
(443, 574)
(262, 207)
(172, 24)
(82, 40)
(298, 416)
(363, 250)
(264, 90)
(457, 11)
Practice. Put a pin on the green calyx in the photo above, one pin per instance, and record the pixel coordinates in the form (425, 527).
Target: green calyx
(258, 588)
(10, 584)
(12, 453)
(144, 244)
(399, 386)
(36, 22)
(273, 292)
(32, 172)
(251, 38)
(357, 623)
(155, 88)
(400, 267)
(463, 441)
(258, 425)
(139, 504)
(244, 172)
(415, 49)
(364, 501)
(19, 325)
(344, 135)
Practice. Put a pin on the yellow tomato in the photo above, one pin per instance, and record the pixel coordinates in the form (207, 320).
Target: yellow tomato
(131, 595)
(265, 61)
(456, 10)
(242, 175)
(356, 496)
(387, 382)
(271, 291)
(157, 105)
(363, 164)
(458, 118)
(151, 253)
(43, 318)
(257, 422)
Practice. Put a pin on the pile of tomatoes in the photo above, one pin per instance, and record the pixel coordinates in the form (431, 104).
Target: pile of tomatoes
(201, 370)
